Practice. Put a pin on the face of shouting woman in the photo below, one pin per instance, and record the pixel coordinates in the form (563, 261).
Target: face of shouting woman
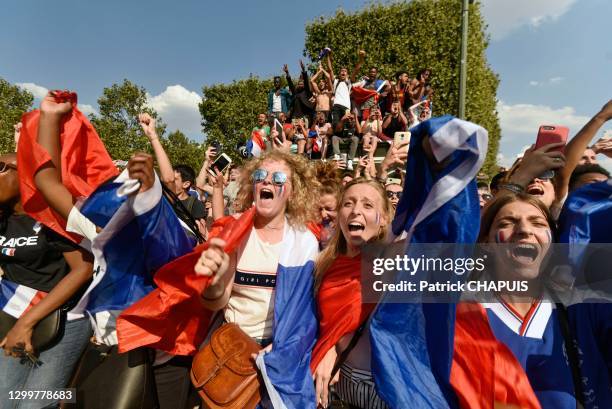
(271, 188)
(361, 215)
(523, 237)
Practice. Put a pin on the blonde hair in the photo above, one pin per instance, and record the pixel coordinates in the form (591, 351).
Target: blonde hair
(302, 206)
(338, 245)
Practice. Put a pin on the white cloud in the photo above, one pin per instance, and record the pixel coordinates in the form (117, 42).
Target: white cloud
(87, 109)
(178, 108)
(504, 16)
(527, 118)
(38, 91)
(550, 82)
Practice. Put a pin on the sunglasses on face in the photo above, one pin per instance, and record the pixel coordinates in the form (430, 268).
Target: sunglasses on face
(278, 178)
(391, 195)
(4, 167)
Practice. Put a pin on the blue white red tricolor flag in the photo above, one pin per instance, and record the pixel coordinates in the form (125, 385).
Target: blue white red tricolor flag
(256, 145)
(15, 299)
(412, 344)
(140, 234)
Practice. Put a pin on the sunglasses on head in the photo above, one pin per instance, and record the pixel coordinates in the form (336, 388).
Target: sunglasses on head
(278, 178)
(390, 194)
(4, 166)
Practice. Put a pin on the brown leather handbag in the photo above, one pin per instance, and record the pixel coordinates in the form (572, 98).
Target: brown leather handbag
(224, 373)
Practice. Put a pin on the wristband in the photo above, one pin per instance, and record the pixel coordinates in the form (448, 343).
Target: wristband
(512, 187)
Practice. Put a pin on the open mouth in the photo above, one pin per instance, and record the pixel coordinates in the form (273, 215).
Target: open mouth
(266, 193)
(525, 252)
(354, 226)
(535, 190)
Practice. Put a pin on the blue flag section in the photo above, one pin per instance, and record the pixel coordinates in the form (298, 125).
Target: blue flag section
(140, 234)
(587, 219)
(286, 369)
(412, 344)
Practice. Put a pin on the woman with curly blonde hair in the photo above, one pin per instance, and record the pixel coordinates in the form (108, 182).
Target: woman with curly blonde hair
(263, 281)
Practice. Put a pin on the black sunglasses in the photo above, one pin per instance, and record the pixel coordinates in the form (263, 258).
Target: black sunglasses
(396, 194)
(4, 166)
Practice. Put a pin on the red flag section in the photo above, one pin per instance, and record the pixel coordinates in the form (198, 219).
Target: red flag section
(340, 308)
(85, 162)
(172, 318)
(485, 373)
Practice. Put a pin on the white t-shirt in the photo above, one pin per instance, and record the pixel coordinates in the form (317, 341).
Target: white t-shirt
(251, 304)
(342, 93)
(276, 103)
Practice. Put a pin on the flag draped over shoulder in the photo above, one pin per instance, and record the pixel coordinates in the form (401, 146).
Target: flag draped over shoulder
(85, 163)
(341, 310)
(172, 318)
(140, 234)
(412, 344)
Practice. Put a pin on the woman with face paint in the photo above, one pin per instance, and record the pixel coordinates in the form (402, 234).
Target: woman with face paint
(363, 216)
(271, 266)
(518, 230)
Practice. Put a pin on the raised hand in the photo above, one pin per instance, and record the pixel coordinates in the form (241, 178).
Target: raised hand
(213, 262)
(140, 167)
(17, 128)
(286, 69)
(50, 107)
(537, 161)
(147, 123)
(603, 146)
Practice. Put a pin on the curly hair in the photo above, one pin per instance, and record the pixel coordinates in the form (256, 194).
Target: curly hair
(338, 245)
(329, 178)
(303, 204)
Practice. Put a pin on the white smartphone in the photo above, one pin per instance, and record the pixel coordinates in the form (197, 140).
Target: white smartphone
(401, 137)
(221, 163)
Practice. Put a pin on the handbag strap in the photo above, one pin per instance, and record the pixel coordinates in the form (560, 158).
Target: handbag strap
(572, 354)
(344, 355)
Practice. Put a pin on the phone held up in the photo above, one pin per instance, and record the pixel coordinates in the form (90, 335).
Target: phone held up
(548, 134)
(221, 163)
(401, 137)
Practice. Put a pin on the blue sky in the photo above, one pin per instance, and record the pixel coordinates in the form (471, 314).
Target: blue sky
(553, 56)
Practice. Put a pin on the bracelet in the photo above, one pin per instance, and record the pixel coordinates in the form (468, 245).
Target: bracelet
(512, 187)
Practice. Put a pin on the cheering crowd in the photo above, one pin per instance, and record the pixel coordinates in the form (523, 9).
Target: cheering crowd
(242, 284)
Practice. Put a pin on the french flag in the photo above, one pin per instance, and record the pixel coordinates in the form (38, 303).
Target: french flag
(256, 145)
(16, 299)
(140, 234)
(412, 344)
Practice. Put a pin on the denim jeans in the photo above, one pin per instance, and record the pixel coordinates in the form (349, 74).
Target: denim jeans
(57, 365)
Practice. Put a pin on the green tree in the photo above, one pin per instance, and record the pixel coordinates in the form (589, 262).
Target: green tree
(413, 36)
(14, 102)
(117, 121)
(182, 150)
(229, 111)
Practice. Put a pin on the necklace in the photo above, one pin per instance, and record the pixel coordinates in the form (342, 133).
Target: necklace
(274, 228)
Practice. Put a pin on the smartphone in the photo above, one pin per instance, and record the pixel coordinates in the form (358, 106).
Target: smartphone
(221, 163)
(401, 137)
(548, 134)
(278, 141)
(393, 181)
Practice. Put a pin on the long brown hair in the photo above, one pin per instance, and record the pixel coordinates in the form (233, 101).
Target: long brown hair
(493, 207)
(338, 245)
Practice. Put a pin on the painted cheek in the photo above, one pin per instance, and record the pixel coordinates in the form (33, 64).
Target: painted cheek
(500, 237)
